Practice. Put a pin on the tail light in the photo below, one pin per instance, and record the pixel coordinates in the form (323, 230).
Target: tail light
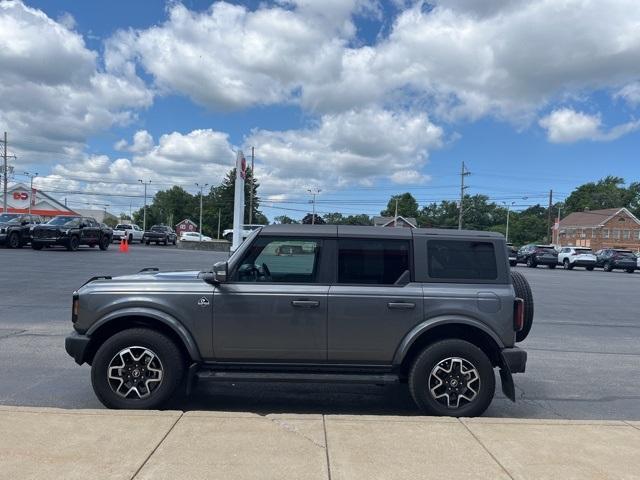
(518, 314)
(75, 306)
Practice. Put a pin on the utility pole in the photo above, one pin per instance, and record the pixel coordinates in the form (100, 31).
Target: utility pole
(251, 188)
(558, 223)
(5, 172)
(219, 212)
(395, 218)
(144, 211)
(463, 173)
(314, 192)
(201, 187)
(31, 177)
(549, 224)
(508, 205)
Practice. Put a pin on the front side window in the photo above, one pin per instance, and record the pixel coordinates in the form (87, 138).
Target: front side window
(372, 261)
(461, 260)
(285, 260)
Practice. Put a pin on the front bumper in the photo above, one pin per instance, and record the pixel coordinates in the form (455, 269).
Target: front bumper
(515, 359)
(3, 238)
(76, 346)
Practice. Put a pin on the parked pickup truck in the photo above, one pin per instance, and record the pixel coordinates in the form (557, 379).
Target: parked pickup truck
(438, 310)
(160, 234)
(130, 232)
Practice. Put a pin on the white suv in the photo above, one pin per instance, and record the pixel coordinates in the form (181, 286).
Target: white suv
(570, 257)
(246, 231)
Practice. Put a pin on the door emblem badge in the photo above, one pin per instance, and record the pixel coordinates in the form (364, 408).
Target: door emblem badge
(203, 302)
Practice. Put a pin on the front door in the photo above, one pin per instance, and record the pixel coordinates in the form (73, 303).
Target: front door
(274, 306)
(374, 304)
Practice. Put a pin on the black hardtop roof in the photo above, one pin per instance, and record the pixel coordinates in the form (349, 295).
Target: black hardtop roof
(372, 232)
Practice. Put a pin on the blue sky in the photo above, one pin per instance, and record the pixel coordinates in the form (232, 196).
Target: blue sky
(360, 98)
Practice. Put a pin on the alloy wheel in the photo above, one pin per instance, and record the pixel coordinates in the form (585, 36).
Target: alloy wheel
(454, 382)
(135, 372)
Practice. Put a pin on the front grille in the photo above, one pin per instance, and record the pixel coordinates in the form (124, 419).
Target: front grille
(45, 234)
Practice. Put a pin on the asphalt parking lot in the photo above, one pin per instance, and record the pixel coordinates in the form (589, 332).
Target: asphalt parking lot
(584, 349)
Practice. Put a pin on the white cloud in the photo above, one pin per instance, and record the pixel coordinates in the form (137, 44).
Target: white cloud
(567, 126)
(354, 147)
(630, 93)
(142, 143)
(54, 93)
(409, 177)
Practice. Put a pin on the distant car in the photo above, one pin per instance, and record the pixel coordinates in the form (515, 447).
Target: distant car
(160, 234)
(533, 255)
(15, 228)
(616, 259)
(512, 253)
(246, 231)
(570, 257)
(130, 232)
(194, 237)
(638, 256)
(70, 232)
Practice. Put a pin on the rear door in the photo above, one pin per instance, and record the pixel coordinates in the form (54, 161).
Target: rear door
(373, 303)
(90, 231)
(274, 306)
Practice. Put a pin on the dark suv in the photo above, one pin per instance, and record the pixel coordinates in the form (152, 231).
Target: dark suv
(533, 255)
(160, 234)
(437, 309)
(15, 228)
(616, 258)
(71, 232)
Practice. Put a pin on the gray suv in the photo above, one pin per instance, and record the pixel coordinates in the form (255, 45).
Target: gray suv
(436, 309)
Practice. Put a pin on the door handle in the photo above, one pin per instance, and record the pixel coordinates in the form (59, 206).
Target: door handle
(305, 303)
(401, 305)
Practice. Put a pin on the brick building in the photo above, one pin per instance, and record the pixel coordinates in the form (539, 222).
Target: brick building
(611, 227)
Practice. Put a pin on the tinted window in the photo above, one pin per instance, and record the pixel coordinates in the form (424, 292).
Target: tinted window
(285, 260)
(371, 261)
(464, 260)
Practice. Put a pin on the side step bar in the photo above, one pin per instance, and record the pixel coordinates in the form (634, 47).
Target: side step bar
(229, 376)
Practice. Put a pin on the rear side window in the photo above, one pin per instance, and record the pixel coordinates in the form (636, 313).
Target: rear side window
(372, 261)
(461, 260)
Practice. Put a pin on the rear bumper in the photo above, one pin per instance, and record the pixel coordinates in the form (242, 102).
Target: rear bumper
(545, 261)
(76, 346)
(584, 263)
(515, 359)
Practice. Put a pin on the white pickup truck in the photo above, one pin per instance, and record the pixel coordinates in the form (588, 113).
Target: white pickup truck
(132, 232)
(246, 230)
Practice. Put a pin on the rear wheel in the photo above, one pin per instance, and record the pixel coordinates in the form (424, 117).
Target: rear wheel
(631, 270)
(523, 291)
(567, 264)
(607, 267)
(36, 245)
(552, 266)
(14, 240)
(531, 263)
(513, 263)
(137, 369)
(104, 243)
(229, 237)
(452, 378)
(590, 269)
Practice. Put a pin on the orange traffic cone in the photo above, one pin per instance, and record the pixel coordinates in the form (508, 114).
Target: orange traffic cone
(124, 245)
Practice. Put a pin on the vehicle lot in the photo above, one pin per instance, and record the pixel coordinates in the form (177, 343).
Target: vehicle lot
(583, 349)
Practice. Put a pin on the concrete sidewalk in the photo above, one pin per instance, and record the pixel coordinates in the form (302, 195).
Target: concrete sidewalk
(45, 443)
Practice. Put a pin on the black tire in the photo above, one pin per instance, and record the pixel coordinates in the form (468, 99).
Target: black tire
(175, 240)
(523, 291)
(552, 266)
(130, 239)
(36, 245)
(590, 268)
(513, 263)
(104, 243)
(631, 270)
(229, 237)
(73, 243)
(165, 242)
(607, 267)
(147, 242)
(14, 240)
(171, 361)
(531, 263)
(421, 379)
(567, 264)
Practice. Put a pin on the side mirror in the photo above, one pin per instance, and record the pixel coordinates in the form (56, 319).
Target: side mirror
(217, 275)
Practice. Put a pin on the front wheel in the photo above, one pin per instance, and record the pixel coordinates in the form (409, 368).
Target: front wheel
(567, 265)
(14, 240)
(531, 263)
(607, 267)
(137, 368)
(590, 269)
(631, 270)
(452, 378)
(73, 244)
(36, 245)
(552, 266)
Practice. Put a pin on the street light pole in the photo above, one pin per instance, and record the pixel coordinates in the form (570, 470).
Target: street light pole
(506, 233)
(144, 211)
(314, 192)
(31, 177)
(201, 187)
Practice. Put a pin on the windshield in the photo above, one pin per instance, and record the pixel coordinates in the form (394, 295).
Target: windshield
(583, 251)
(157, 228)
(5, 217)
(64, 221)
(123, 227)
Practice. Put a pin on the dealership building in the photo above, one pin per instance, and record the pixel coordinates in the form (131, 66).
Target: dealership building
(19, 196)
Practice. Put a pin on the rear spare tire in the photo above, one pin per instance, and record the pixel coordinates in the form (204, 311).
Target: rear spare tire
(523, 291)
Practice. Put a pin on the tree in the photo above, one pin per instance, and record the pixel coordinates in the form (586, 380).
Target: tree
(283, 219)
(407, 206)
(169, 207)
(359, 219)
(608, 192)
(309, 217)
(335, 218)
